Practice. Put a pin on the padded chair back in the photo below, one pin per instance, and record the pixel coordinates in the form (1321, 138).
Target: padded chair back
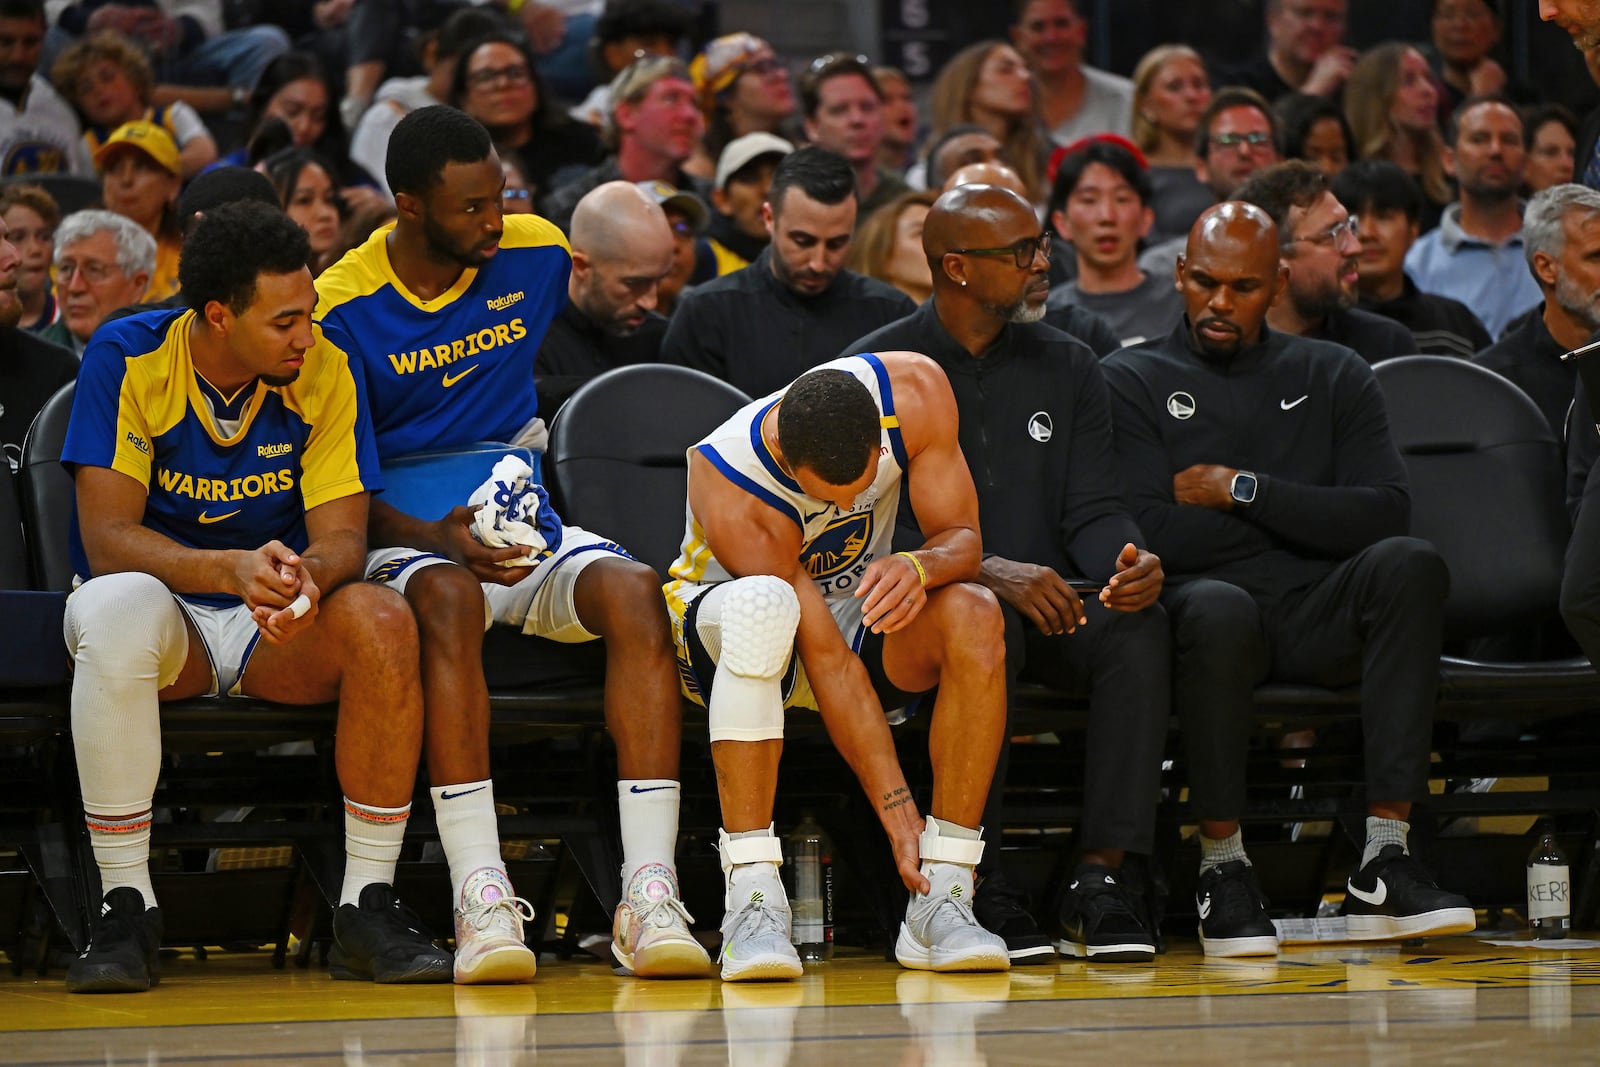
(1486, 489)
(47, 493)
(14, 569)
(617, 453)
(71, 192)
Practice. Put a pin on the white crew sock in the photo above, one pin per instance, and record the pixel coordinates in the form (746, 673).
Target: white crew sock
(372, 839)
(122, 852)
(648, 808)
(1381, 832)
(468, 830)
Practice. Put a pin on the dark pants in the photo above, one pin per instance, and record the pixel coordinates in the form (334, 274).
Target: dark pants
(1123, 660)
(1377, 618)
(1580, 584)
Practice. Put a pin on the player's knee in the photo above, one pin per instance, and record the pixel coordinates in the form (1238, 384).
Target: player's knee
(759, 617)
(970, 620)
(373, 616)
(120, 621)
(630, 593)
(446, 597)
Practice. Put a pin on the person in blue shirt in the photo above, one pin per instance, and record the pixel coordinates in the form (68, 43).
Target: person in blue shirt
(223, 458)
(443, 312)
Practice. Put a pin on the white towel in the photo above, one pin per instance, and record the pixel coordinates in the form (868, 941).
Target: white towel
(510, 511)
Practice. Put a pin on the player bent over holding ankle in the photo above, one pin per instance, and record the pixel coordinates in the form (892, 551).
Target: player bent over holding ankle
(791, 511)
(222, 457)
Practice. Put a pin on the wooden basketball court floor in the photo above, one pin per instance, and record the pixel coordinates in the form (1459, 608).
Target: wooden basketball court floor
(1454, 1000)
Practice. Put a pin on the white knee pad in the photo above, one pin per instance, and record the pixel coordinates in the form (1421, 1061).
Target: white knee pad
(128, 641)
(127, 625)
(748, 626)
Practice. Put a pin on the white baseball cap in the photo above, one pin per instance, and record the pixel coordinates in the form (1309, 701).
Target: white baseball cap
(742, 151)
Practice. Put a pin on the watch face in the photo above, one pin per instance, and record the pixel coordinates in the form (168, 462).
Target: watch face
(1243, 488)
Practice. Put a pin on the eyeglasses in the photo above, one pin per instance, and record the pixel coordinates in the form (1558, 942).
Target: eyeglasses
(1472, 12)
(1253, 140)
(681, 227)
(93, 273)
(516, 74)
(765, 65)
(1333, 234)
(515, 194)
(1021, 253)
(838, 59)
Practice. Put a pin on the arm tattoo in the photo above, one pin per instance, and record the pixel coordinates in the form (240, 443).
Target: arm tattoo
(896, 799)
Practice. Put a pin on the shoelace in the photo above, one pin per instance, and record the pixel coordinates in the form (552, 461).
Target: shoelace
(481, 915)
(756, 919)
(934, 905)
(401, 915)
(1238, 896)
(662, 913)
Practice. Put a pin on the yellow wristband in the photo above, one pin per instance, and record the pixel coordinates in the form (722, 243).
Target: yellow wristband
(514, 6)
(922, 575)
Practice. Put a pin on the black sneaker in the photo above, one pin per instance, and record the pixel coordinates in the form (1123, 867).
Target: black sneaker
(1002, 909)
(1233, 913)
(123, 949)
(1393, 897)
(382, 940)
(1099, 921)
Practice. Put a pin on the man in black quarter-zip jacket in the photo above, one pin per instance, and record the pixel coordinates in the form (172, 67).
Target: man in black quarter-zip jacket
(1261, 466)
(1035, 429)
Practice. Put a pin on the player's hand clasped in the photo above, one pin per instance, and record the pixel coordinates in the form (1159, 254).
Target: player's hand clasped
(895, 591)
(280, 593)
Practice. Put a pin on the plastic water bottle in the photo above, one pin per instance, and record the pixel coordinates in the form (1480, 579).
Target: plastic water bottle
(811, 891)
(1549, 888)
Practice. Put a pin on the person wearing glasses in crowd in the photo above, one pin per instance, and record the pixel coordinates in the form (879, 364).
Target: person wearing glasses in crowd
(744, 88)
(843, 108)
(795, 305)
(1075, 99)
(1035, 430)
(104, 262)
(1238, 134)
(655, 128)
(1261, 468)
(497, 83)
(694, 260)
(1304, 53)
(622, 247)
(1321, 248)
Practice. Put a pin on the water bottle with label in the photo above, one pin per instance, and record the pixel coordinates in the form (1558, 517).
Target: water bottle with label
(811, 890)
(1549, 888)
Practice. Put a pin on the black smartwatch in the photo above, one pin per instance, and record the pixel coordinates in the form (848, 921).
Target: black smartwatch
(1243, 488)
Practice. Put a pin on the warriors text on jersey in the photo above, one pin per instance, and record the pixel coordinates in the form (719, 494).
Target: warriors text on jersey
(836, 546)
(448, 372)
(222, 472)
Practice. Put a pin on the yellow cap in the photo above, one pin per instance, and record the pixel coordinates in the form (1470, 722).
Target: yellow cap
(147, 137)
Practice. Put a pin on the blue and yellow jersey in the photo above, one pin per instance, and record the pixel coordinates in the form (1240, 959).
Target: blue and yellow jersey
(142, 409)
(448, 372)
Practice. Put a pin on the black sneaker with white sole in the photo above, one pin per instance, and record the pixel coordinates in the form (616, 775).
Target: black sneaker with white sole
(1233, 912)
(124, 948)
(1394, 898)
(1099, 920)
(382, 940)
(1002, 909)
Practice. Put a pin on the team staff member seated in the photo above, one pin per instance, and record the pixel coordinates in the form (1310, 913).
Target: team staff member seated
(443, 313)
(1283, 536)
(1035, 429)
(222, 456)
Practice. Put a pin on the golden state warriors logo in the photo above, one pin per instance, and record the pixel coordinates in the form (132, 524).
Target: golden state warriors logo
(837, 556)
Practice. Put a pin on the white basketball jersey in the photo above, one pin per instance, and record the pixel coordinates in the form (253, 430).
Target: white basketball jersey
(836, 546)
